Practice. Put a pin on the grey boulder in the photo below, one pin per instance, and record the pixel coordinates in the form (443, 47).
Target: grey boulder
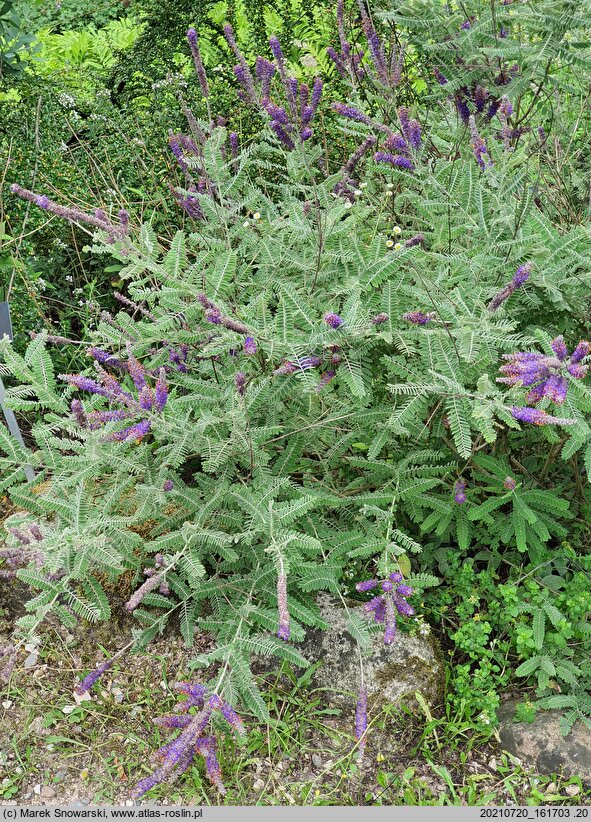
(542, 746)
(409, 664)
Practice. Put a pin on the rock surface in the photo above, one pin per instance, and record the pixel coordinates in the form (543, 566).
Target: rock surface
(541, 745)
(411, 663)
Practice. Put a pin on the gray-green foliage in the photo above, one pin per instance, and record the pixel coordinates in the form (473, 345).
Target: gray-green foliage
(297, 476)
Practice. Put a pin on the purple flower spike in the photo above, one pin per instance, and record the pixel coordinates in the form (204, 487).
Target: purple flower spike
(92, 677)
(161, 390)
(522, 275)
(536, 416)
(168, 485)
(479, 146)
(367, 585)
(361, 720)
(215, 702)
(460, 496)
(199, 67)
(195, 694)
(388, 603)
(393, 159)
(404, 590)
(240, 383)
(580, 352)
(418, 239)
(173, 722)
(509, 483)
(250, 346)
(416, 317)
(232, 718)
(78, 412)
(480, 98)
(333, 320)
(559, 347)
(84, 384)
(380, 318)
(555, 388)
(284, 631)
(351, 113)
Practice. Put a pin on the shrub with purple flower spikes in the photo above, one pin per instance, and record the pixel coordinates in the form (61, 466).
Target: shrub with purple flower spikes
(287, 467)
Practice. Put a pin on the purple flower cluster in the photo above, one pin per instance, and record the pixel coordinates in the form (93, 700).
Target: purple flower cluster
(387, 72)
(475, 100)
(392, 600)
(546, 375)
(98, 220)
(289, 122)
(520, 277)
(176, 756)
(417, 317)
(214, 314)
(327, 377)
(240, 383)
(198, 62)
(148, 399)
(399, 146)
(380, 318)
(347, 62)
(250, 346)
(460, 492)
(333, 320)
(417, 239)
(301, 364)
